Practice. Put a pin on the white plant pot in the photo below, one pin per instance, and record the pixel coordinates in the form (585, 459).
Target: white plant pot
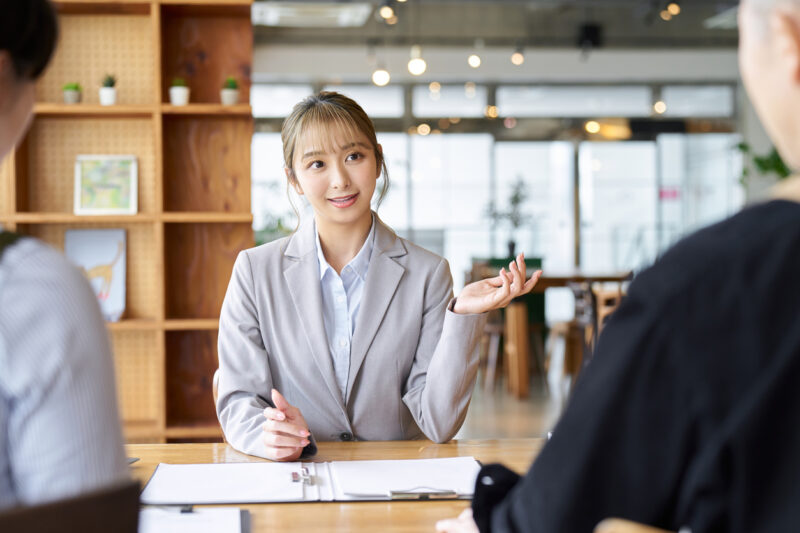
(72, 97)
(179, 95)
(229, 96)
(108, 96)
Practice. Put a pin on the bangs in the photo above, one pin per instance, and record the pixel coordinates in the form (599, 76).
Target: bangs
(326, 129)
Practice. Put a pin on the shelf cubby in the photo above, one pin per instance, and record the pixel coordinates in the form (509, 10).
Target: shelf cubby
(203, 163)
(191, 362)
(46, 169)
(93, 45)
(198, 264)
(142, 284)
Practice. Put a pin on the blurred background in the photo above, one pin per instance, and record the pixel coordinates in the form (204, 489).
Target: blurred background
(622, 123)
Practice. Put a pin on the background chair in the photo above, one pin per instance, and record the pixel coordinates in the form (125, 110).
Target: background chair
(115, 509)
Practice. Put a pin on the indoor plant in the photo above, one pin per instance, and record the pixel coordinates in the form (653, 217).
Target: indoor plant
(72, 92)
(514, 215)
(770, 163)
(108, 92)
(229, 95)
(179, 92)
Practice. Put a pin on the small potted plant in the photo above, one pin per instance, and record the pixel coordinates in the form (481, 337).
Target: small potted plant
(72, 92)
(108, 92)
(229, 95)
(179, 92)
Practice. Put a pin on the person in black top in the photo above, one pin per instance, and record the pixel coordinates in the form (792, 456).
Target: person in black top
(689, 414)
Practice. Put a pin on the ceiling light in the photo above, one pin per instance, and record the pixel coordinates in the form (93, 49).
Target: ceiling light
(434, 86)
(518, 58)
(416, 65)
(510, 122)
(665, 15)
(386, 11)
(674, 9)
(423, 129)
(474, 59)
(391, 21)
(660, 107)
(592, 126)
(381, 77)
(491, 111)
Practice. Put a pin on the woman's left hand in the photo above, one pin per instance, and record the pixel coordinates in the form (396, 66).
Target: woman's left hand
(497, 292)
(463, 524)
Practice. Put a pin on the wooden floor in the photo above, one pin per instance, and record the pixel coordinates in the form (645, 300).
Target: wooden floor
(498, 415)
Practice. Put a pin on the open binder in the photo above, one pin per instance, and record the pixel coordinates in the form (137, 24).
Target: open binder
(239, 483)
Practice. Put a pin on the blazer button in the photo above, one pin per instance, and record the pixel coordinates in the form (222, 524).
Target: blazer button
(346, 435)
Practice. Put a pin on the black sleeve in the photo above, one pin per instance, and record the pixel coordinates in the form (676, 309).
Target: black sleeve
(492, 485)
(630, 424)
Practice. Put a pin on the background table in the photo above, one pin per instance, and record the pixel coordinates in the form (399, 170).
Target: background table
(346, 516)
(517, 318)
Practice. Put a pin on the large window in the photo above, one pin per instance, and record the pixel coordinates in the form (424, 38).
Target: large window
(633, 199)
(618, 204)
(546, 169)
(574, 101)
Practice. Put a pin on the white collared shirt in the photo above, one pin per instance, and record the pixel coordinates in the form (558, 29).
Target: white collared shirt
(341, 300)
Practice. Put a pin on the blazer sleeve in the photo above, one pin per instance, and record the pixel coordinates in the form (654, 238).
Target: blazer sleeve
(244, 374)
(439, 386)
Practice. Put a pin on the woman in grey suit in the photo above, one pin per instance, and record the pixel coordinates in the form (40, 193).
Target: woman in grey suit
(344, 330)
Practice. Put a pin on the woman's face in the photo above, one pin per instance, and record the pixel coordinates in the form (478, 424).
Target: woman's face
(16, 103)
(338, 181)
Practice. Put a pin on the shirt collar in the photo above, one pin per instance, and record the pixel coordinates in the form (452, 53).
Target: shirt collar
(359, 264)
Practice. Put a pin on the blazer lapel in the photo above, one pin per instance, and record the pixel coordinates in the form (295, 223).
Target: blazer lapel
(383, 277)
(302, 279)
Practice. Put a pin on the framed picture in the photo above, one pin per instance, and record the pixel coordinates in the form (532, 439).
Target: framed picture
(106, 185)
(101, 255)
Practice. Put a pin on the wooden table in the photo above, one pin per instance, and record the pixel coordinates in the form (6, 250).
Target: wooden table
(550, 280)
(517, 330)
(346, 516)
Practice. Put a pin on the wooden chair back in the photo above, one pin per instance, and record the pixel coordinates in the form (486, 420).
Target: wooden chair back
(115, 509)
(617, 525)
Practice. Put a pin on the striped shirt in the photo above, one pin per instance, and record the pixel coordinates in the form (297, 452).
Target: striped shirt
(341, 300)
(59, 426)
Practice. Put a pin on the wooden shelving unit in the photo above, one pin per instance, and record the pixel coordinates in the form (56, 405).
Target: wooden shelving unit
(194, 187)
(93, 110)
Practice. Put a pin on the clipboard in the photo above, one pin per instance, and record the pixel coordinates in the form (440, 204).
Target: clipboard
(267, 482)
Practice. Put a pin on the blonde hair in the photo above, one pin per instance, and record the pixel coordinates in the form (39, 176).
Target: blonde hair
(318, 119)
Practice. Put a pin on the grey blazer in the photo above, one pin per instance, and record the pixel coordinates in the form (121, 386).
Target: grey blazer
(413, 362)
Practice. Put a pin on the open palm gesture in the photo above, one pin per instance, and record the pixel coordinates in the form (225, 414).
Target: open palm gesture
(496, 292)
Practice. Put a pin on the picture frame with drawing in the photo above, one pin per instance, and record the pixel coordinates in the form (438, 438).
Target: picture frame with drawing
(106, 185)
(101, 254)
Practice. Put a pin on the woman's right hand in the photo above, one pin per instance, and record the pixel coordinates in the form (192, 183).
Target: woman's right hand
(285, 431)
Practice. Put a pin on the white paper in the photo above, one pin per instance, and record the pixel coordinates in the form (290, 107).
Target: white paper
(354, 480)
(223, 483)
(155, 520)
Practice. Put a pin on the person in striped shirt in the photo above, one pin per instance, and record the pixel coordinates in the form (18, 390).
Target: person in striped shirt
(60, 433)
